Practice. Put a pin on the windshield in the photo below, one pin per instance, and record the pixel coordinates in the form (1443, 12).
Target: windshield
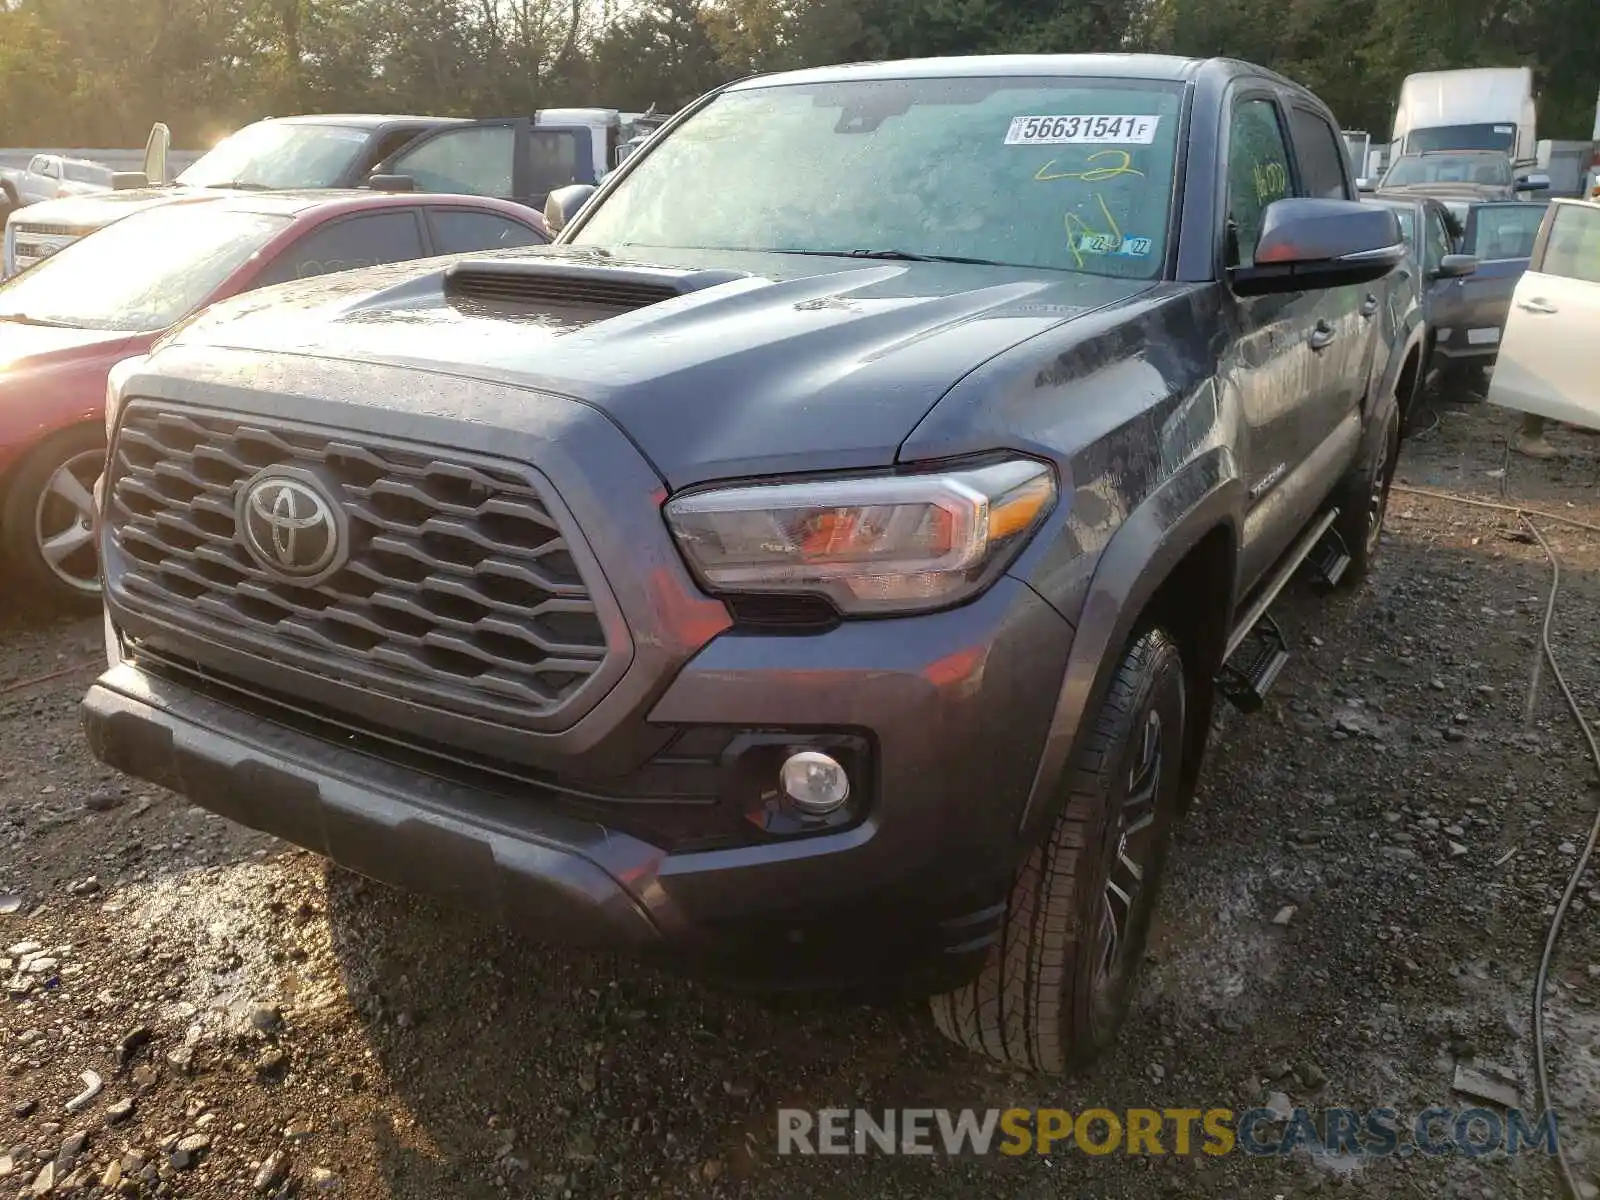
(1504, 230)
(1450, 168)
(87, 173)
(1462, 137)
(278, 154)
(1069, 174)
(141, 274)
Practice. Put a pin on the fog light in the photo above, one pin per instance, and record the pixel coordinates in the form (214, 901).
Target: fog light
(815, 782)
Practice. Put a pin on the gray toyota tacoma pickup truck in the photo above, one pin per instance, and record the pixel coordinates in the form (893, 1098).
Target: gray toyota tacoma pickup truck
(817, 567)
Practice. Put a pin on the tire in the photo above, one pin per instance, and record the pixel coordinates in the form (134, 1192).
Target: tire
(1411, 403)
(1052, 994)
(1363, 497)
(41, 503)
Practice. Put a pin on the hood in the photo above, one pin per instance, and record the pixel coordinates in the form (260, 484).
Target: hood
(753, 363)
(29, 347)
(1456, 191)
(103, 208)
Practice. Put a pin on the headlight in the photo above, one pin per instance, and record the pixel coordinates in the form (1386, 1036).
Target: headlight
(870, 544)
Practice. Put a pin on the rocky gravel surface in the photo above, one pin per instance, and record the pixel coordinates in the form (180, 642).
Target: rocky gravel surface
(1353, 918)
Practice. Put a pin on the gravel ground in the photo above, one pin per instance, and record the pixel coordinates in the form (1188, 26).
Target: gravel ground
(1356, 908)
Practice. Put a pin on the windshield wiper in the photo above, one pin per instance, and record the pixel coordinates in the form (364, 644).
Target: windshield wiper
(239, 185)
(899, 256)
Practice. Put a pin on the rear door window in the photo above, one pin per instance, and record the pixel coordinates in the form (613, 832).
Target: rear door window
(1408, 225)
(1320, 154)
(462, 231)
(368, 240)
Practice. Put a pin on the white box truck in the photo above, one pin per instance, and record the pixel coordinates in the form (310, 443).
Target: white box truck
(1485, 108)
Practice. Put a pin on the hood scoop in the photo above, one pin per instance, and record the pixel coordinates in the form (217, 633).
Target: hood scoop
(574, 284)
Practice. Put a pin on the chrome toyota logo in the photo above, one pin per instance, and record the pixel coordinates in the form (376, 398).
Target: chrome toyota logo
(290, 526)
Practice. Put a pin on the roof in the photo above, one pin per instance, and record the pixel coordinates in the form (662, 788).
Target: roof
(295, 204)
(1136, 66)
(1164, 68)
(70, 158)
(364, 120)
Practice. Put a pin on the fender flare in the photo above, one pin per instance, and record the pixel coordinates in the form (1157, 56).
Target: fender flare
(1390, 379)
(1207, 494)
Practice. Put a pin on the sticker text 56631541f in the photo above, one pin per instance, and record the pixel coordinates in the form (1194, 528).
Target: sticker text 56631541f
(1081, 131)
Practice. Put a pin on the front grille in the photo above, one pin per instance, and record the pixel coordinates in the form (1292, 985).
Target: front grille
(35, 243)
(40, 229)
(460, 592)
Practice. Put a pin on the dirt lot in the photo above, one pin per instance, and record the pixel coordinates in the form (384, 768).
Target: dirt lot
(272, 1020)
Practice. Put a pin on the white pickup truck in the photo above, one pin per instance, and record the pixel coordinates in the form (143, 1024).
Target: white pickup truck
(49, 177)
(513, 158)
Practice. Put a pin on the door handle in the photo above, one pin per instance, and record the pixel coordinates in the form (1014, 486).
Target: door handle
(1322, 336)
(1536, 305)
(1369, 305)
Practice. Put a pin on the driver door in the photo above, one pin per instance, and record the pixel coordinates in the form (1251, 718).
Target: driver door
(477, 158)
(1268, 368)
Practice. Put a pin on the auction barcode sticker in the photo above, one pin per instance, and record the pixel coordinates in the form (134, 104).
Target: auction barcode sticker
(1081, 130)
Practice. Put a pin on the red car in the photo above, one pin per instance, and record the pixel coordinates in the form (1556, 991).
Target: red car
(65, 322)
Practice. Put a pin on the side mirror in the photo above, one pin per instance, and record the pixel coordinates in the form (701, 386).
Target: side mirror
(561, 205)
(1454, 266)
(391, 183)
(155, 153)
(1310, 243)
(126, 181)
(1366, 185)
(1533, 183)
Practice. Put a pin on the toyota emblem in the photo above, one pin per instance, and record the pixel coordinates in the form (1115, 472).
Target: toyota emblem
(290, 526)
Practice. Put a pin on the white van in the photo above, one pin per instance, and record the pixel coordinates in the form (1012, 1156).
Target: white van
(1487, 108)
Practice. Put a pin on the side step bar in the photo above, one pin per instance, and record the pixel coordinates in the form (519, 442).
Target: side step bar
(1257, 651)
(1250, 672)
(1330, 560)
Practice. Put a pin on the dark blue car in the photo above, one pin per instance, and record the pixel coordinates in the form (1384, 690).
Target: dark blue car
(1469, 314)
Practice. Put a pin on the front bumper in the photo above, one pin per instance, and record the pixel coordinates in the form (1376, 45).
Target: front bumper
(955, 706)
